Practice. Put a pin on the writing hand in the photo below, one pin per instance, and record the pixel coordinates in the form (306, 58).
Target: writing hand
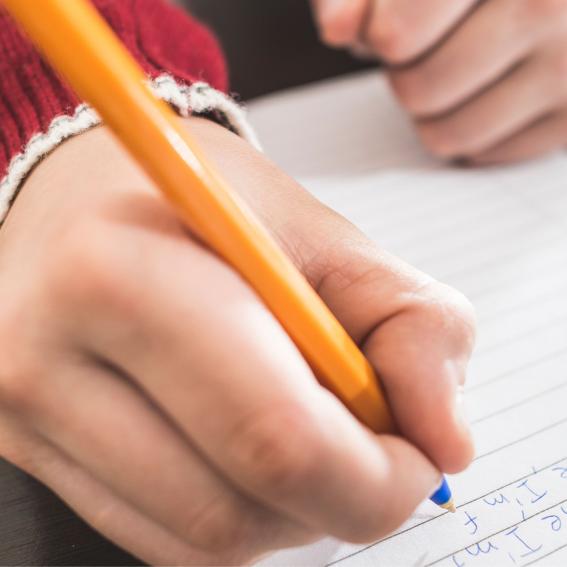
(145, 383)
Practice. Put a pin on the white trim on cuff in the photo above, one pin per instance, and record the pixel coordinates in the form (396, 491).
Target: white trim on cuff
(195, 99)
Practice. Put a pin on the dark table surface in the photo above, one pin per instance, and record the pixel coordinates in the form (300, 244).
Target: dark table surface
(270, 45)
(36, 528)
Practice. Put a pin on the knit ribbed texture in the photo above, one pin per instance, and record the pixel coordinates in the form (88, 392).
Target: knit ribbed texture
(35, 103)
(196, 99)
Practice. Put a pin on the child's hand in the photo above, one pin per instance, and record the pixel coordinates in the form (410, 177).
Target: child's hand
(485, 81)
(144, 381)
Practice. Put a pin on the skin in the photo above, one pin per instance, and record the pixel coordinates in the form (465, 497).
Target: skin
(484, 81)
(145, 383)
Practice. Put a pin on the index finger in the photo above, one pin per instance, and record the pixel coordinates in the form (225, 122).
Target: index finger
(403, 30)
(418, 334)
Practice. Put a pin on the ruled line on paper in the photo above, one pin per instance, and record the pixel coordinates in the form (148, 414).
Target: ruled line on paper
(497, 284)
(521, 403)
(551, 292)
(510, 373)
(529, 332)
(516, 323)
(512, 482)
(515, 357)
(478, 277)
(521, 439)
(463, 247)
(392, 192)
(507, 528)
(460, 506)
(544, 556)
(435, 231)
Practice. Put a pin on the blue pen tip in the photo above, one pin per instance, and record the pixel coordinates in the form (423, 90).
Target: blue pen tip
(443, 497)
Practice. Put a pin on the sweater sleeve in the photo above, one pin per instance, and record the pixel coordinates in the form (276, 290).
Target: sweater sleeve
(38, 111)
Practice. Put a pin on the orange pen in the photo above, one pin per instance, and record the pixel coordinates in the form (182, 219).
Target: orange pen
(74, 37)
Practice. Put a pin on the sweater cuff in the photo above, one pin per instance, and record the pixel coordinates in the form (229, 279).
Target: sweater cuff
(198, 99)
(38, 111)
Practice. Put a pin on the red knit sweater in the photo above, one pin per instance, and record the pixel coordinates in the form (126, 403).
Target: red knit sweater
(161, 37)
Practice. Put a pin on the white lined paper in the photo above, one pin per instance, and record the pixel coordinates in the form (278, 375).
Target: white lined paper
(500, 236)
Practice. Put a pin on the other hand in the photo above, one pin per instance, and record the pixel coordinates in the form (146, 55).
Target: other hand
(483, 80)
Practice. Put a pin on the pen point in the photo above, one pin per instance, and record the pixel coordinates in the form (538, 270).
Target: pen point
(450, 506)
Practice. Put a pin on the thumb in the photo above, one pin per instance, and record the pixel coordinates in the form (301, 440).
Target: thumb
(417, 333)
(421, 353)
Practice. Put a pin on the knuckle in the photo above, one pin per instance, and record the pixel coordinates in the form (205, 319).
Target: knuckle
(84, 268)
(276, 450)
(450, 312)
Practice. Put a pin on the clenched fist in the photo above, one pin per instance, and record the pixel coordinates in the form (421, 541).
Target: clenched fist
(483, 80)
